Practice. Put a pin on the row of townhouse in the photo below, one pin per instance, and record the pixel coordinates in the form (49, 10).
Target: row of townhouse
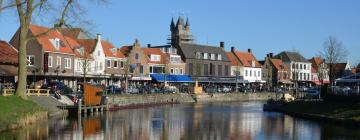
(68, 55)
(71, 56)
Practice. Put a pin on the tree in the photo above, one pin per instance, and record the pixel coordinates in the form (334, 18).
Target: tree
(333, 52)
(127, 70)
(26, 11)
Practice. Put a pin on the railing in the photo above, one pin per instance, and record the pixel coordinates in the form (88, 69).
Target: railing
(8, 92)
(29, 92)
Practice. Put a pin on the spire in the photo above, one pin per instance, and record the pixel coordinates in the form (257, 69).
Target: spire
(187, 22)
(172, 25)
(180, 21)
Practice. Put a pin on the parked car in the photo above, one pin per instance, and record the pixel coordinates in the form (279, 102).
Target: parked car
(245, 89)
(133, 90)
(171, 90)
(113, 89)
(313, 92)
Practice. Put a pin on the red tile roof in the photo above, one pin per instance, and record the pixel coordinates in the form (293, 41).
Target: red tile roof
(8, 54)
(315, 63)
(107, 46)
(233, 59)
(154, 51)
(246, 59)
(90, 44)
(45, 43)
(279, 64)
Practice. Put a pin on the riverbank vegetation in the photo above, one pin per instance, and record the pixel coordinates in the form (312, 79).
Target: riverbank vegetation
(17, 112)
(333, 111)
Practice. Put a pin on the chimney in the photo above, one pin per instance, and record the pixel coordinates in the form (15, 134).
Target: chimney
(148, 45)
(249, 50)
(222, 44)
(233, 49)
(270, 55)
(98, 37)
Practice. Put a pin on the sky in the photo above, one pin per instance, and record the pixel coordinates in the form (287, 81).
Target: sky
(263, 25)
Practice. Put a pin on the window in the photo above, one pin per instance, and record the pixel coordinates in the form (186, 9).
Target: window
(190, 68)
(305, 66)
(301, 76)
(115, 64)
(177, 71)
(50, 61)
(246, 72)
(212, 56)
(259, 74)
(297, 66)
(172, 71)
(136, 56)
(220, 70)
(141, 69)
(67, 63)
(181, 71)
(293, 66)
(206, 69)
(108, 63)
(78, 68)
(31, 60)
(175, 59)
(58, 62)
(219, 57)
(155, 57)
(198, 55)
(121, 64)
(301, 66)
(99, 53)
(206, 55)
(101, 66)
(226, 70)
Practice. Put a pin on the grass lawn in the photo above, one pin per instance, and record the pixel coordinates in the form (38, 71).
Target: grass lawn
(328, 109)
(12, 108)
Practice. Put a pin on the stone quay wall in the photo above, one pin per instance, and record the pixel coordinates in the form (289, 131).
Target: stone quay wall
(124, 100)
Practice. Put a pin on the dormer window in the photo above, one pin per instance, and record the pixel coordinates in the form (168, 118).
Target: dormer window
(56, 42)
(113, 50)
(253, 63)
(81, 51)
(155, 57)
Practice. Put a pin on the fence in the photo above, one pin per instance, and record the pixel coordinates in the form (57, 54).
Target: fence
(29, 92)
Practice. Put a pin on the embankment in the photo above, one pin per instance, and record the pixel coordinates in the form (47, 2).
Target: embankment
(16, 112)
(124, 100)
(332, 112)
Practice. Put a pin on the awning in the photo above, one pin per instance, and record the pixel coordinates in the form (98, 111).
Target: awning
(171, 78)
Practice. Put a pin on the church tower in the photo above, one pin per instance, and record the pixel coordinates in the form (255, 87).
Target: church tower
(180, 33)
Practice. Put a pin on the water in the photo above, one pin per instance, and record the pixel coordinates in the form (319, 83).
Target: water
(204, 121)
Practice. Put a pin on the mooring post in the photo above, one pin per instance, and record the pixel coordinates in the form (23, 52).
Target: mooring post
(79, 107)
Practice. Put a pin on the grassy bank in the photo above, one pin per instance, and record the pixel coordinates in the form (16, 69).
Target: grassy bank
(16, 112)
(348, 113)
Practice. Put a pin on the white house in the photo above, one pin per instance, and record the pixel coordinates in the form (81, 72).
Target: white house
(300, 68)
(249, 69)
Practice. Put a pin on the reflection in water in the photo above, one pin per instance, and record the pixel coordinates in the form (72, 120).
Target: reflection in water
(208, 121)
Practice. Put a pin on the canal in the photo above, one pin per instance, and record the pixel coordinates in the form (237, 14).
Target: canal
(199, 121)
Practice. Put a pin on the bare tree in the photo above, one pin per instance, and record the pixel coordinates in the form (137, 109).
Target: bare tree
(333, 52)
(26, 11)
(126, 70)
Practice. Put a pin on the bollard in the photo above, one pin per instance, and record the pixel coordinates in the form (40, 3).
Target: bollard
(79, 107)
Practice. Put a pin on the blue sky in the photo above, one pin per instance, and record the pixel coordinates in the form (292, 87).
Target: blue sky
(263, 25)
